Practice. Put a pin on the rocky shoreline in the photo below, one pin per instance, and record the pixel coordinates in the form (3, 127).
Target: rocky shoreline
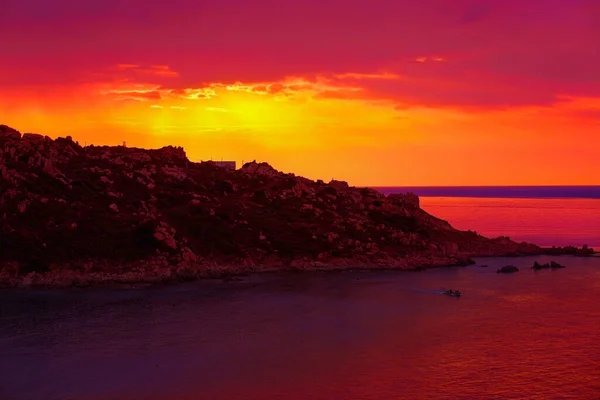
(73, 216)
(162, 275)
(154, 272)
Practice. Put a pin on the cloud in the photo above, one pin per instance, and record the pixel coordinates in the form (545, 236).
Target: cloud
(587, 108)
(593, 114)
(422, 60)
(160, 70)
(452, 54)
(216, 109)
(153, 70)
(125, 67)
(191, 93)
(341, 94)
(353, 75)
(432, 84)
(139, 95)
(188, 93)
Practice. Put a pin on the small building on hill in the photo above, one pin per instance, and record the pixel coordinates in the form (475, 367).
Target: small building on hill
(226, 164)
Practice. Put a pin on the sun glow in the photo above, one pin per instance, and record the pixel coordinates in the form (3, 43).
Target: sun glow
(343, 125)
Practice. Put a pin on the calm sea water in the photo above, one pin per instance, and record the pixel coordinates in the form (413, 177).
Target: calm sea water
(351, 335)
(544, 215)
(522, 192)
(545, 222)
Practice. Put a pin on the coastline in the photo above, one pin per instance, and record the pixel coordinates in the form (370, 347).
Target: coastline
(78, 216)
(151, 275)
(72, 279)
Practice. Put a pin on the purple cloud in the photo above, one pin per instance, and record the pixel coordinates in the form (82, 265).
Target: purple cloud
(497, 52)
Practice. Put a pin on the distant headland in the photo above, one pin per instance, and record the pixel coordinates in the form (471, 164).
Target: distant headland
(76, 216)
(531, 192)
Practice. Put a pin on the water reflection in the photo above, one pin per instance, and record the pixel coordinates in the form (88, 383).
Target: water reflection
(546, 222)
(375, 335)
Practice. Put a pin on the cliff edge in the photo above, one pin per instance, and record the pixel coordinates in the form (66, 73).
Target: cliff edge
(78, 215)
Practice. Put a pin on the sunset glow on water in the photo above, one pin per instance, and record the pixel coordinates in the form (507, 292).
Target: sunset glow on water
(354, 335)
(545, 222)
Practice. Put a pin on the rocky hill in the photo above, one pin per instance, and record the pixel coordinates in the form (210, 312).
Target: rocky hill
(77, 215)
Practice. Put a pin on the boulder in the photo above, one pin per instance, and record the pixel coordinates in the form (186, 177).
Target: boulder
(339, 185)
(174, 173)
(34, 137)
(165, 234)
(9, 133)
(254, 168)
(508, 269)
(552, 265)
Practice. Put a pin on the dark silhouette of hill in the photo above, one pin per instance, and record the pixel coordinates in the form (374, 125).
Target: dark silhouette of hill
(73, 215)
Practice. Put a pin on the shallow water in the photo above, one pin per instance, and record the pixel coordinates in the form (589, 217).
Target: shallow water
(349, 335)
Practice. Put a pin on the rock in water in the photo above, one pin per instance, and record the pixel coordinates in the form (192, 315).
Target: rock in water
(508, 269)
(552, 265)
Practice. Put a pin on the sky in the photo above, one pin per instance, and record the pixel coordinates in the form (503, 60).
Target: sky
(378, 92)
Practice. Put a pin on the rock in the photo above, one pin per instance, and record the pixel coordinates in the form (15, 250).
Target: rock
(9, 133)
(254, 168)
(585, 251)
(508, 269)
(407, 199)
(165, 234)
(450, 249)
(552, 265)
(332, 236)
(30, 279)
(22, 207)
(339, 185)
(168, 154)
(174, 173)
(188, 256)
(33, 137)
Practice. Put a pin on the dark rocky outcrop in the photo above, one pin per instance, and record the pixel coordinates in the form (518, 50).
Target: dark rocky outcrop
(508, 269)
(584, 251)
(74, 215)
(552, 265)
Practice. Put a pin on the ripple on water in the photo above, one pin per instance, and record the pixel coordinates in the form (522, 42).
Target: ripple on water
(375, 335)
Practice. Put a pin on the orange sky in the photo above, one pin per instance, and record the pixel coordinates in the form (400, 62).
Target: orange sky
(520, 106)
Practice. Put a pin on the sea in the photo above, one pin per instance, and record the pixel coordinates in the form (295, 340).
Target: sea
(369, 335)
(544, 215)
